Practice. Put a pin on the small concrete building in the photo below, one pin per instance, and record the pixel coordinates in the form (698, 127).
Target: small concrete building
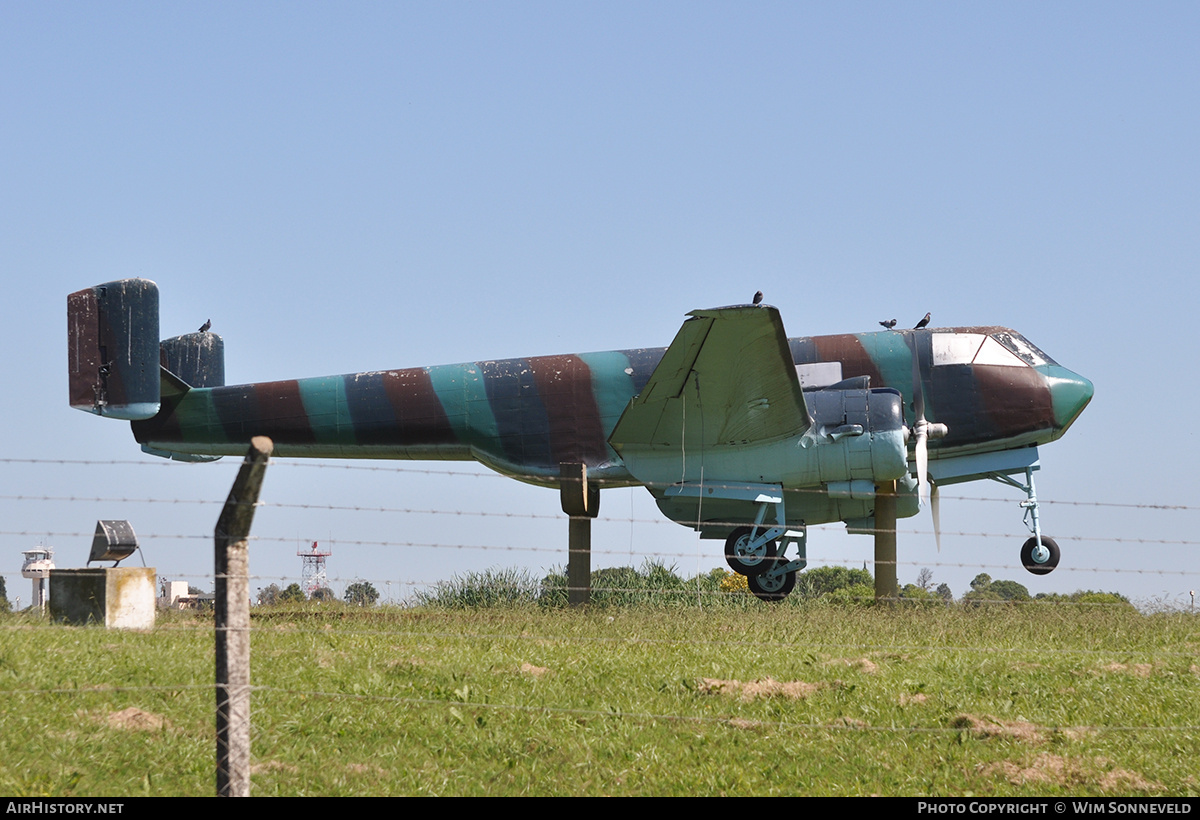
(117, 597)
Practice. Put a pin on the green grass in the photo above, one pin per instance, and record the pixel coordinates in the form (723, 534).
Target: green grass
(990, 700)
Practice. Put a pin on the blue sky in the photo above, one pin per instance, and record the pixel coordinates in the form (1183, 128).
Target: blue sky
(365, 186)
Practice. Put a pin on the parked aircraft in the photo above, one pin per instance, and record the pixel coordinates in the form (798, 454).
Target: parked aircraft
(736, 430)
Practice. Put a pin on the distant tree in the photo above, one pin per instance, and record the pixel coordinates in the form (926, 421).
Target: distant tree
(944, 592)
(361, 593)
(1000, 590)
(925, 578)
(1084, 596)
(293, 594)
(1010, 590)
(194, 590)
(982, 581)
(5, 606)
(323, 595)
(826, 580)
(913, 592)
(269, 596)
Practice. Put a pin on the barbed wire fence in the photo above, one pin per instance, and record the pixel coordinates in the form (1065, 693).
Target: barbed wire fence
(552, 548)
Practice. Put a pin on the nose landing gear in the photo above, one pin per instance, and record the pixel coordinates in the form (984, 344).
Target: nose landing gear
(1040, 553)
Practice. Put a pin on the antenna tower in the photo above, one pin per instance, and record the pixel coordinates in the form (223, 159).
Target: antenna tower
(313, 577)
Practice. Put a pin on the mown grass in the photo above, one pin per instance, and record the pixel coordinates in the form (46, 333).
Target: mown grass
(993, 700)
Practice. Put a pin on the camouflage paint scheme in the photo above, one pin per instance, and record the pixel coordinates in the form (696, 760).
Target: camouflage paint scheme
(524, 417)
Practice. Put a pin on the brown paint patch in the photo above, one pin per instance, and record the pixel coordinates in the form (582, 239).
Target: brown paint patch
(1016, 399)
(282, 413)
(848, 350)
(419, 414)
(535, 671)
(564, 384)
(909, 700)
(763, 688)
(136, 720)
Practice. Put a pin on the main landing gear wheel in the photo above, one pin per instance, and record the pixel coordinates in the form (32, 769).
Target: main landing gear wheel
(1040, 562)
(742, 559)
(771, 587)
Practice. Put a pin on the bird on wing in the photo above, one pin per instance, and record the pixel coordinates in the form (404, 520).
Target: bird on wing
(758, 297)
(923, 322)
(889, 324)
(207, 324)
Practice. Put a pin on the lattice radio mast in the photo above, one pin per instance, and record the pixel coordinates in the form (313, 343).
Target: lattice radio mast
(313, 577)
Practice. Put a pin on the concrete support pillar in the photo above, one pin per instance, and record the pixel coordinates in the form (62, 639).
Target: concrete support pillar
(886, 588)
(581, 501)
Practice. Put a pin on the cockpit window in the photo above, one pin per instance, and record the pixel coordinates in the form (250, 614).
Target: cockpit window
(973, 348)
(1023, 348)
(955, 348)
(992, 352)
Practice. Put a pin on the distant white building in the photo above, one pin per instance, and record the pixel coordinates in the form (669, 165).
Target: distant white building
(37, 566)
(172, 591)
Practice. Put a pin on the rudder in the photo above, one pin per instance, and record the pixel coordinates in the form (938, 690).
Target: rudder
(113, 349)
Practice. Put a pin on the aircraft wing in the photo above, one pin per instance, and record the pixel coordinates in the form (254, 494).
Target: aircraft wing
(727, 379)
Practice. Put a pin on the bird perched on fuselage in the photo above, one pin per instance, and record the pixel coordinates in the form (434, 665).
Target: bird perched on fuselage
(204, 327)
(889, 324)
(923, 322)
(758, 297)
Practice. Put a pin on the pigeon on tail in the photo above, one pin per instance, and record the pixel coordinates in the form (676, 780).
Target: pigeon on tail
(889, 324)
(758, 297)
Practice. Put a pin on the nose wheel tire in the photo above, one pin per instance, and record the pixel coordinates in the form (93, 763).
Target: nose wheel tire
(771, 587)
(744, 560)
(1040, 562)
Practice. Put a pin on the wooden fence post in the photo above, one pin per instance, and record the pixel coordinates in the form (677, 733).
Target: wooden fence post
(232, 622)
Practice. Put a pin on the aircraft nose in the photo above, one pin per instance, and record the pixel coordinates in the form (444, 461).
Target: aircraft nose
(1069, 394)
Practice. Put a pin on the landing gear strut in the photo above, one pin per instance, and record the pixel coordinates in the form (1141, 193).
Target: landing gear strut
(1040, 553)
(759, 552)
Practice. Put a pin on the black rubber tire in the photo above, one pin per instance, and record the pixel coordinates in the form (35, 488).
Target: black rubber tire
(743, 564)
(1047, 566)
(763, 588)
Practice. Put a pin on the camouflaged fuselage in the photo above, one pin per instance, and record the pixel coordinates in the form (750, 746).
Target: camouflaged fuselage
(523, 417)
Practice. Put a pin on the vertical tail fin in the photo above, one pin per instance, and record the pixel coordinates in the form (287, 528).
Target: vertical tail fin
(112, 349)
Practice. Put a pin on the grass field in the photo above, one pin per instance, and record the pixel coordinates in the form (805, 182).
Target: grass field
(815, 699)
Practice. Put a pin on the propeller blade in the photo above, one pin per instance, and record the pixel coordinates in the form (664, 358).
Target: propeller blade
(922, 453)
(937, 516)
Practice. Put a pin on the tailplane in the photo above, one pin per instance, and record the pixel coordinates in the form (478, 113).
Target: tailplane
(116, 365)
